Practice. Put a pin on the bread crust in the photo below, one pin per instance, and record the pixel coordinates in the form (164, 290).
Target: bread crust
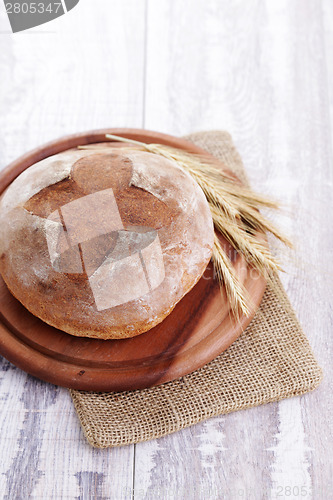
(102, 244)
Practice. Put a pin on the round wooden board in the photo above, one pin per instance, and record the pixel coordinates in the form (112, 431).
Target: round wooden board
(199, 328)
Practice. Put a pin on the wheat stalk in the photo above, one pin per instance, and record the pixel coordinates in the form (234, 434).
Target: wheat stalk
(235, 213)
(224, 270)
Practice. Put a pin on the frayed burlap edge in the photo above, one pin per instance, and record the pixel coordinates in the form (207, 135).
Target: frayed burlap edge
(271, 360)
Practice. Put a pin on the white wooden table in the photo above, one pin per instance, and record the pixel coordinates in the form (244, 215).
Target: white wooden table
(262, 70)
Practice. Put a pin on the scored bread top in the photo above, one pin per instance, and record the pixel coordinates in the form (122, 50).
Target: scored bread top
(103, 244)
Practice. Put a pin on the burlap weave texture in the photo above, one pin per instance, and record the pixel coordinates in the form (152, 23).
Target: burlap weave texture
(270, 361)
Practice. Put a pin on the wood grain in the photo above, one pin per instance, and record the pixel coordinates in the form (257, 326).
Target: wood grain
(262, 70)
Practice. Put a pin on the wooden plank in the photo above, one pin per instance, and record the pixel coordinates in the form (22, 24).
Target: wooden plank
(327, 12)
(302, 171)
(82, 71)
(258, 70)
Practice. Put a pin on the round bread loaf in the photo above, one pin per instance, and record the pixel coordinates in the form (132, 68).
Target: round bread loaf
(103, 244)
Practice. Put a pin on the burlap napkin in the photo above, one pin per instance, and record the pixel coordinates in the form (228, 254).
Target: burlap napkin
(271, 360)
